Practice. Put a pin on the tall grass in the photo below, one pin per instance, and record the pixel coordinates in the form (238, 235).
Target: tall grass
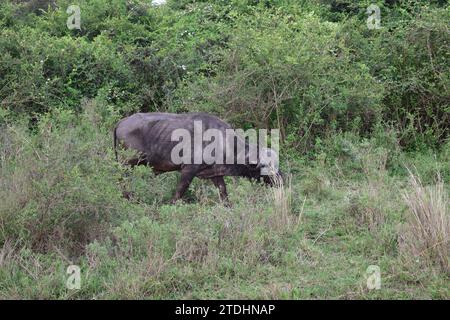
(57, 186)
(281, 195)
(428, 229)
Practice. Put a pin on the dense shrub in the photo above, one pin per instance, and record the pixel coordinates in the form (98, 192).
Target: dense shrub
(417, 98)
(271, 63)
(50, 184)
(291, 73)
(349, 102)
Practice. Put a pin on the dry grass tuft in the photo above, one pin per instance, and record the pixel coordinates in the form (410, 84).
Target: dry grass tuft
(6, 253)
(282, 199)
(427, 232)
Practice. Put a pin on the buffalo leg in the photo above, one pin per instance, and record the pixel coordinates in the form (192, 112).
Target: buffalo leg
(183, 185)
(220, 184)
(138, 161)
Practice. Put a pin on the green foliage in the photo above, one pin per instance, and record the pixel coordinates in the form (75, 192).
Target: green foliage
(291, 73)
(308, 68)
(50, 182)
(417, 98)
(356, 108)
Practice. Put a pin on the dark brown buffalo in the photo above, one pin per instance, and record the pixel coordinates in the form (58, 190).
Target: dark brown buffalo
(150, 134)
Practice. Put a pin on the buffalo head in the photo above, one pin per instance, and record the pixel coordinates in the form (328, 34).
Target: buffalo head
(266, 168)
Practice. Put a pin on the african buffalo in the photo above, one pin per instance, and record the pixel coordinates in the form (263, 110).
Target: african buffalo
(154, 137)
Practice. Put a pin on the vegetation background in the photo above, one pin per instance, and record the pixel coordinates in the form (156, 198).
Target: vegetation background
(364, 118)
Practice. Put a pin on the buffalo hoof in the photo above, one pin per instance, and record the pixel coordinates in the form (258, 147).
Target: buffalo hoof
(128, 194)
(227, 204)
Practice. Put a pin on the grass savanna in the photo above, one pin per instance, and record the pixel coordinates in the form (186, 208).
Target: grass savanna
(364, 121)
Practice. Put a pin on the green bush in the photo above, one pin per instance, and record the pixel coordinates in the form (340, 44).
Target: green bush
(301, 67)
(291, 73)
(59, 186)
